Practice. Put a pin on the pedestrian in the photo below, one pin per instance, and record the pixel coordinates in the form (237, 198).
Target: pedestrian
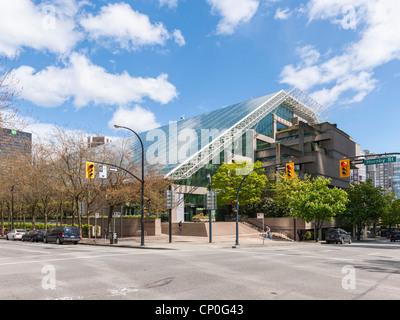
(300, 233)
(180, 227)
(268, 232)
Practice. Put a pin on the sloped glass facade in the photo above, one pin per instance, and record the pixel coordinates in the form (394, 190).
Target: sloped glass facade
(180, 140)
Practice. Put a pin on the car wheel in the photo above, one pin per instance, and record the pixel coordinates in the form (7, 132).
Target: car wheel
(45, 240)
(342, 241)
(349, 240)
(58, 241)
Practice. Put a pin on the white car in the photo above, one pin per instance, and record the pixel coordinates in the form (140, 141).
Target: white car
(16, 234)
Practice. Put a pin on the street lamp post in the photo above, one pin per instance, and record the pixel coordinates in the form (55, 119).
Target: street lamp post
(12, 207)
(210, 213)
(237, 196)
(142, 182)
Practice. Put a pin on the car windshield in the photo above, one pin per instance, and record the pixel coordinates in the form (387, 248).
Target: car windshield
(72, 230)
(20, 230)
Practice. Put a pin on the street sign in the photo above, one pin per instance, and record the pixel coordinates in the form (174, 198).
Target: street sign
(14, 132)
(210, 201)
(370, 162)
(117, 214)
(358, 161)
(113, 169)
(102, 171)
(260, 215)
(170, 196)
(97, 215)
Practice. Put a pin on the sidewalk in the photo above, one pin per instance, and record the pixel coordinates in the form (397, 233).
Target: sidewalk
(189, 242)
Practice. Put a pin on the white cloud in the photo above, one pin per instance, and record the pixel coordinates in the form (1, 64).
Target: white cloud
(233, 12)
(130, 29)
(88, 83)
(138, 119)
(282, 14)
(352, 71)
(41, 27)
(179, 39)
(169, 3)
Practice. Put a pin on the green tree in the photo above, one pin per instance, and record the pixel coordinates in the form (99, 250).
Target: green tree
(367, 204)
(228, 178)
(271, 208)
(314, 200)
(391, 216)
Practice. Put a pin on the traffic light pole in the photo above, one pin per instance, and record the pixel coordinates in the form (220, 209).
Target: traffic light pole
(210, 213)
(373, 155)
(238, 191)
(141, 180)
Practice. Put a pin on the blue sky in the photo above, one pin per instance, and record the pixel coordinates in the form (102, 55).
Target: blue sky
(86, 65)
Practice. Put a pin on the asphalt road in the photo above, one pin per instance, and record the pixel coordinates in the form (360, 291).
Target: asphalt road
(295, 271)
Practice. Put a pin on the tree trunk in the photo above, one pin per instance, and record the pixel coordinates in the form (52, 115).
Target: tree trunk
(110, 216)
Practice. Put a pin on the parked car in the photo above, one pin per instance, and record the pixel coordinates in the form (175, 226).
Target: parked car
(337, 236)
(395, 235)
(386, 232)
(60, 235)
(34, 235)
(15, 234)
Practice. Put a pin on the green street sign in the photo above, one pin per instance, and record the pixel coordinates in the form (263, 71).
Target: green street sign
(370, 162)
(14, 132)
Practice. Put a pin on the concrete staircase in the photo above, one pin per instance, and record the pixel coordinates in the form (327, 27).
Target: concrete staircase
(201, 229)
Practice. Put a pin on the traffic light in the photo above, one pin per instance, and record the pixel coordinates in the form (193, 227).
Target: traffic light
(146, 206)
(344, 168)
(290, 170)
(90, 170)
(234, 207)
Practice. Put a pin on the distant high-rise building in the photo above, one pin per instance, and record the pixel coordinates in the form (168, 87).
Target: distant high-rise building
(14, 143)
(94, 142)
(386, 175)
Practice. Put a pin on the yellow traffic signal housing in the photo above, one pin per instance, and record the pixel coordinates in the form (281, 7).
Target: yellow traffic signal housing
(90, 170)
(290, 170)
(344, 167)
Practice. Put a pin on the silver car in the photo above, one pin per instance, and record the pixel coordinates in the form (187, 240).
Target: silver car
(16, 234)
(337, 236)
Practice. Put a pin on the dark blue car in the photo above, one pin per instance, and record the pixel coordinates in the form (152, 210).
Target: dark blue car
(60, 235)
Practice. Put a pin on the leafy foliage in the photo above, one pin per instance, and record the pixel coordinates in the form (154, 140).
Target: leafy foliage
(228, 178)
(314, 200)
(367, 204)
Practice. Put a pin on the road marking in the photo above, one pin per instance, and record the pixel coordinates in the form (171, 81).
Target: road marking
(72, 258)
(29, 250)
(373, 254)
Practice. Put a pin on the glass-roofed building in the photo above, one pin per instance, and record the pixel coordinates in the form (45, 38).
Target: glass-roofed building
(286, 126)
